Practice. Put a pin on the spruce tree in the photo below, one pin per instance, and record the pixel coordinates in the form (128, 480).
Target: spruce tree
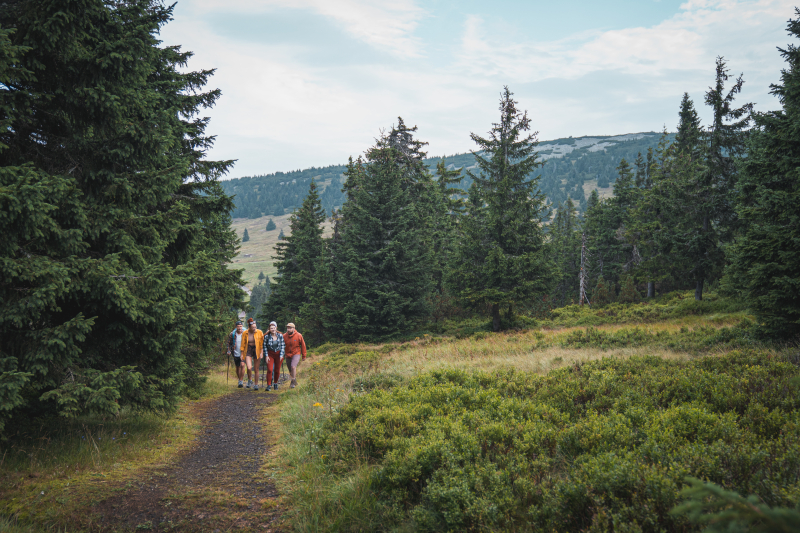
(628, 293)
(607, 223)
(296, 259)
(380, 264)
(689, 137)
(114, 291)
(693, 192)
(765, 258)
(444, 210)
(271, 225)
(246, 236)
(601, 295)
(281, 236)
(565, 246)
(261, 276)
(501, 259)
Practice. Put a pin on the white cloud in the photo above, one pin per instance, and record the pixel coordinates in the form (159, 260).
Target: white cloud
(385, 25)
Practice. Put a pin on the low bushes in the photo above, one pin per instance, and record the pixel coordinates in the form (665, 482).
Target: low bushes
(595, 447)
(669, 306)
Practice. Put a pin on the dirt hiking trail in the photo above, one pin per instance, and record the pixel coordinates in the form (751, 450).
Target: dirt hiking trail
(214, 487)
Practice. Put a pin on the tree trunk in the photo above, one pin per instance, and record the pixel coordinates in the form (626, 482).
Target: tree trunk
(698, 290)
(496, 317)
(651, 289)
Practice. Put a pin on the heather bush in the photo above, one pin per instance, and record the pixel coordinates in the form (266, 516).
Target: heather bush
(599, 446)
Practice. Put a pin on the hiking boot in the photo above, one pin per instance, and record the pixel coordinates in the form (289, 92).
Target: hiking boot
(294, 384)
(256, 387)
(241, 384)
(274, 386)
(249, 383)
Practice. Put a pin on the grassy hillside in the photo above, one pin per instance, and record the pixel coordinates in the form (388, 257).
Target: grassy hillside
(559, 427)
(257, 254)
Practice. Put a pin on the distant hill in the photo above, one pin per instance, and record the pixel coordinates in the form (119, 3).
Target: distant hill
(574, 167)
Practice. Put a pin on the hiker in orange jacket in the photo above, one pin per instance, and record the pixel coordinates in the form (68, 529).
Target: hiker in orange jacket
(253, 348)
(295, 349)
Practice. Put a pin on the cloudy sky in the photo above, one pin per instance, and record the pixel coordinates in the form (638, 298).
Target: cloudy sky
(311, 82)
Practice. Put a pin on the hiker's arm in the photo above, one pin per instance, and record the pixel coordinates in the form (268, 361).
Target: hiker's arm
(303, 347)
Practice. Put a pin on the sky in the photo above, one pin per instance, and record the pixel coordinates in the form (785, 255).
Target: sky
(311, 82)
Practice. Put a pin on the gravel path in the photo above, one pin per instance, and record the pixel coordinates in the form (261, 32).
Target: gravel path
(215, 487)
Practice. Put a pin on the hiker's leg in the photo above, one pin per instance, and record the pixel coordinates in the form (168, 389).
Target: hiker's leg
(293, 362)
(270, 362)
(249, 367)
(276, 365)
(255, 369)
(240, 370)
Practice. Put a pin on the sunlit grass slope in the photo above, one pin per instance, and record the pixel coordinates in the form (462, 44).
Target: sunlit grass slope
(257, 254)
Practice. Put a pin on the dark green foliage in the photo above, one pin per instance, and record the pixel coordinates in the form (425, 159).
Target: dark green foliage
(627, 292)
(607, 222)
(445, 208)
(115, 228)
(261, 276)
(565, 247)
(588, 447)
(281, 236)
(689, 137)
(271, 225)
(296, 261)
(725, 511)
(601, 295)
(258, 298)
(379, 257)
(765, 259)
(246, 236)
(501, 259)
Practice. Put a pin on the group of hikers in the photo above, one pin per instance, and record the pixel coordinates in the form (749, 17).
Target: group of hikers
(249, 346)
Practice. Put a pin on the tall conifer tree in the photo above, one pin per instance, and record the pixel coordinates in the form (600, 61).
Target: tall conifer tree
(296, 260)
(501, 260)
(765, 261)
(115, 230)
(565, 244)
(379, 258)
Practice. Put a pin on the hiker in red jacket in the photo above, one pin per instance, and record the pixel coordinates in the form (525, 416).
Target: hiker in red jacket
(295, 349)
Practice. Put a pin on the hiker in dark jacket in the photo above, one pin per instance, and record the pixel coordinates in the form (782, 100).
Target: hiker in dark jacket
(275, 348)
(235, 349)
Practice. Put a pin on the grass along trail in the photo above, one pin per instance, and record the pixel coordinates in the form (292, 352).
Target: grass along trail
(199, 470)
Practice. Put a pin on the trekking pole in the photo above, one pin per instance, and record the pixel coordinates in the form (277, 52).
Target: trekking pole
(228, 369)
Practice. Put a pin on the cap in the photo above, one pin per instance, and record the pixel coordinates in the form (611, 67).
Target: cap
(239, 323)
(273, 323)
(290, 325)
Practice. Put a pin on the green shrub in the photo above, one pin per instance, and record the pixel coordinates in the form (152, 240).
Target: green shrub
(599, 446)
(669, 306)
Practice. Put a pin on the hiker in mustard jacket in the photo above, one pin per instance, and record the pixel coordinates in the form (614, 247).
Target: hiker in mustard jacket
(253, 348)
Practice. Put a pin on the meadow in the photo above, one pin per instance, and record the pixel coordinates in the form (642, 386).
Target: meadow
(257, 254)
(554, 427)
